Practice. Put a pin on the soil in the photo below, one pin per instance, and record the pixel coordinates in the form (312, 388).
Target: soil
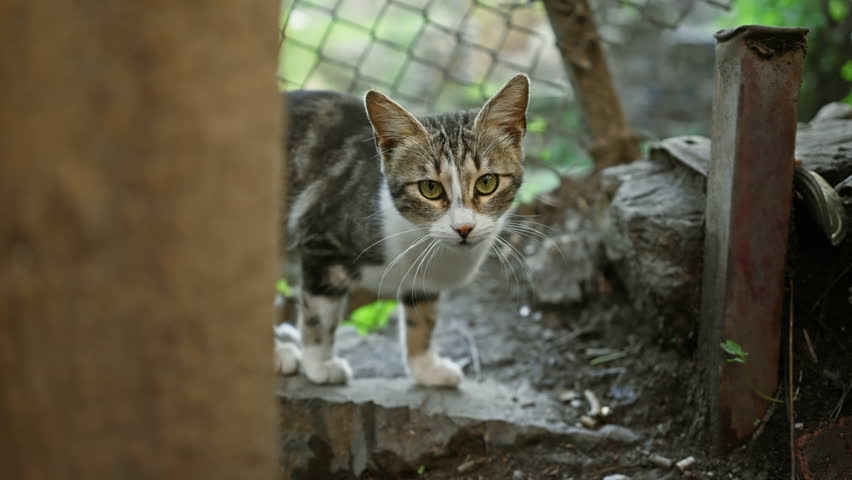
(495, 329)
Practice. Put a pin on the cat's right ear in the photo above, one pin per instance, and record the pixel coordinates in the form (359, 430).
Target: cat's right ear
(390, 121)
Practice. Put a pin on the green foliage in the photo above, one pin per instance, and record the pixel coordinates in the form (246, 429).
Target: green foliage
(537, 181)
(371, 317)
(734, 349)
(775, 13)
(282, 287)
(421, 470)
(537, 125)
(826, 42)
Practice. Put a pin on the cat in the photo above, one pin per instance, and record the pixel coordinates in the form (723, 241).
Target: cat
(405, 206)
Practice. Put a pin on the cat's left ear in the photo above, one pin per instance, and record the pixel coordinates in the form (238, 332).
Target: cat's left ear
(506, 111)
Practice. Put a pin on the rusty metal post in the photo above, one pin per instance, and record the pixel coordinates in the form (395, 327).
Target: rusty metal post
(749, 190)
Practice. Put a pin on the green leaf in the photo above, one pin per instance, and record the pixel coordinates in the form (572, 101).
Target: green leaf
(607, 358)
(282, 287)
(537, 182)
(734, 349)
(371, 317)
(421, 469)
(846, 71)
(838, 9)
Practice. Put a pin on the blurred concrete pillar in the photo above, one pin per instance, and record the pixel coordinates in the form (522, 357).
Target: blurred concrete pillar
(139, 178)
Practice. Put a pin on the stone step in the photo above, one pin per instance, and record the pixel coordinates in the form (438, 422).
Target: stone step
(393, 426)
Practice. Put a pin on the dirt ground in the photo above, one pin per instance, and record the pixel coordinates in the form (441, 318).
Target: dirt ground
(496, 330)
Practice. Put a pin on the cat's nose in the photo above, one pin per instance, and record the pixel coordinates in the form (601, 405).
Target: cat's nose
(463, 229)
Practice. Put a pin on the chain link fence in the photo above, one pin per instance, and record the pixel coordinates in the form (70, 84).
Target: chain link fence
(433, 55)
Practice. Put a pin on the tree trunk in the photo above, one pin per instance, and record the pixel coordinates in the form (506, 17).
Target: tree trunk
(577, 38)
(139, 173)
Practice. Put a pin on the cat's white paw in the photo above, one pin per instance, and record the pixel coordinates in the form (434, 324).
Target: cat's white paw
(323, 370)
(434, 371)
(287, 357)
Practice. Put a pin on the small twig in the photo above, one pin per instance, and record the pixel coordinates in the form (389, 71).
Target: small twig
(835, 413)
(791, 413)
(765, 396)
(832, 283)
(763, 421)
(810, 345)
(474, 352)
(594, 403)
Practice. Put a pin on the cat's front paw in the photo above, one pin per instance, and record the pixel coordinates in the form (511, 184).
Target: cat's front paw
(334, 370)
(287, 357)
(434, 371)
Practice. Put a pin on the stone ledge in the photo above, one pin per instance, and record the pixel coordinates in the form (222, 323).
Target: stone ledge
(392, 426)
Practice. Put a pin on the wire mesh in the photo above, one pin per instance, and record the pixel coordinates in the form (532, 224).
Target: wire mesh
(435, 55)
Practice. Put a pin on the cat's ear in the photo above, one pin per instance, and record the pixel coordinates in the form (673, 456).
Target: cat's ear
(390, 121)
(506, 112)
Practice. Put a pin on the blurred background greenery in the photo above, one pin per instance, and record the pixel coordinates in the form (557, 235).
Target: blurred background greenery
(452, 54)
(828, 65)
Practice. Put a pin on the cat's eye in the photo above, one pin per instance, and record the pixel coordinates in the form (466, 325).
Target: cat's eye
(431, 189)
(486, 184)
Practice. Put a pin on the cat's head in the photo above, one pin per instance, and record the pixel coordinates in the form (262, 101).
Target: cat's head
(457, 172)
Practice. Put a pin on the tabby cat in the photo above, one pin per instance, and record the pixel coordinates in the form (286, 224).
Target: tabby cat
(405, 206)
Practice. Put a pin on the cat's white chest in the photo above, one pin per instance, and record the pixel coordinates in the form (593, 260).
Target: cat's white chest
(416, 263)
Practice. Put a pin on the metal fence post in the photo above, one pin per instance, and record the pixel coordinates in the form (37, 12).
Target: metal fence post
(749, 190)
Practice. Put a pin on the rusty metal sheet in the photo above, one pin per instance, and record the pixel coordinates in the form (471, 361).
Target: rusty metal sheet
(749, 190)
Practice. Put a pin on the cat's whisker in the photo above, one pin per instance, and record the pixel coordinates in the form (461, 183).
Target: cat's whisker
(419, 227)
(416, 261)
(380, 210)
(423, 264)
(504, 262)
(422, 260)
(437, 251)
(516, 254)
(529, 232)
(397, 259)
(530, 222)
(503, 243)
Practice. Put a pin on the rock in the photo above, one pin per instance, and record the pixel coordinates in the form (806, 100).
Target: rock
(653, 234)
(653, 230)
(564, 266)
(517, 475)
(685, 464)
(833, 111)
(616, 476)
(826, 148)
(392, 426)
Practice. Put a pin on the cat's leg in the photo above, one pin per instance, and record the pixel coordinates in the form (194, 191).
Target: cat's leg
(288, 354)
(324, 295)
(425, 366)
